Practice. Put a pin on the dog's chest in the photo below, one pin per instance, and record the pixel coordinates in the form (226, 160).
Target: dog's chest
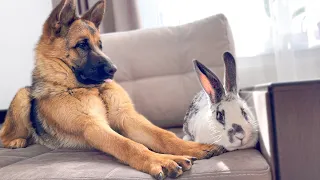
(74, 106)
(89, 102)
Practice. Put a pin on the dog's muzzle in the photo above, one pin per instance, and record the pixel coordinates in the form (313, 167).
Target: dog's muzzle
(96, 70)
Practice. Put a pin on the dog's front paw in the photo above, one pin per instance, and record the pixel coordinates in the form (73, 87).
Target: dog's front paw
(16, 143)
(213, 150)
(205, 151)
(161, 166)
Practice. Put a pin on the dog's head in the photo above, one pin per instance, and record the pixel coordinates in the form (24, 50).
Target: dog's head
(75, 41)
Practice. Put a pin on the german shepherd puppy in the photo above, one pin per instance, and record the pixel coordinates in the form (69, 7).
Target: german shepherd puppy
(74, 103)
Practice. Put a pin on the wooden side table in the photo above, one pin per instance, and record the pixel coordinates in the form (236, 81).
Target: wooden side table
(289, 120)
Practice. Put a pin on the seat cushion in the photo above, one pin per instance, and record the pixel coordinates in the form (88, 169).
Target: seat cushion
(36, 162)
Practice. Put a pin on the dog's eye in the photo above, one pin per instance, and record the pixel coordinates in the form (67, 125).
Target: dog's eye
(84, 45)
(220, 117)
(100, 45)
(244, 114)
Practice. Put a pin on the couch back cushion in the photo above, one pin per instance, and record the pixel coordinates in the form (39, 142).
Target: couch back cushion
(155, 65)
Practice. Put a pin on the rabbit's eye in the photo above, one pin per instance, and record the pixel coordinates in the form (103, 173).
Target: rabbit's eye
(244, 114)
(220, 117)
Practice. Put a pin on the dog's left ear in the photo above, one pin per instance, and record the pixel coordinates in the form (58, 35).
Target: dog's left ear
(61, 18)
(95, 14)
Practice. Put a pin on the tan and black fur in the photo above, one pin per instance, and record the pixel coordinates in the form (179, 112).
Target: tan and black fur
(74, 107)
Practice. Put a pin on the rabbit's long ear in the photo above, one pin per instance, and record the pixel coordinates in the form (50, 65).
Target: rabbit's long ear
(230, 75)
(209, 82)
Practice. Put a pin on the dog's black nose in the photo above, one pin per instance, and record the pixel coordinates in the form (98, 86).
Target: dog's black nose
(110, 69)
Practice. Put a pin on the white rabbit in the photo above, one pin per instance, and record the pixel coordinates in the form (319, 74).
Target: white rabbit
(217, 115)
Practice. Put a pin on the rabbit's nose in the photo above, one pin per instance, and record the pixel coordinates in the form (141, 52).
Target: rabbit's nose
(237, 128)
(239, 136)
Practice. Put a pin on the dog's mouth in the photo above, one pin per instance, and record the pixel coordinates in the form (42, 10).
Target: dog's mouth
(93, 80)
(95, 73)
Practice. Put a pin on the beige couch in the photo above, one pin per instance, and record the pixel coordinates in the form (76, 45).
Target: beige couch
(154, 66)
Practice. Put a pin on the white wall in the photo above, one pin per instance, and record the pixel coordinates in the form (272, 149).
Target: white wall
(21, 25)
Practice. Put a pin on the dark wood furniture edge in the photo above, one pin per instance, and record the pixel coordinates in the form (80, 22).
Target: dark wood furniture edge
(270, 86)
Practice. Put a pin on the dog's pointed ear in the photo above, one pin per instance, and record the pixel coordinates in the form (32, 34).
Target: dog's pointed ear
(95, 14)
(62, 17)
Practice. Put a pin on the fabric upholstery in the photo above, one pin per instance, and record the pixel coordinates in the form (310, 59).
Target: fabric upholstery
(155, 65)
(37, 162)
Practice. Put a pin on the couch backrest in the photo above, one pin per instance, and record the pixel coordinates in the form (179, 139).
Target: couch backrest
(155, 65)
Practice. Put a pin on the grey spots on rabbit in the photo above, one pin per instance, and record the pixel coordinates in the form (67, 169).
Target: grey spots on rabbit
(229, 97)
(230, 135)
(193, 109)
(186, 130)
(244, 114)
(236, 129)
(186, 125)
(220, 115)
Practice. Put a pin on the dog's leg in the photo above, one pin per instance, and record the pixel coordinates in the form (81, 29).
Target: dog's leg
(15, 129)
(87, 120)
(102, 137)
(139, 129)
(122, 116)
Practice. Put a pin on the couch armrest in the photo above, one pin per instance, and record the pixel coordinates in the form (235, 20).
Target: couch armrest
(259, 101)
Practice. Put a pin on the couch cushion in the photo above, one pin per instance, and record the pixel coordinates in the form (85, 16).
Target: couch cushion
(155, 65)
(10, 156)
(67, 164)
